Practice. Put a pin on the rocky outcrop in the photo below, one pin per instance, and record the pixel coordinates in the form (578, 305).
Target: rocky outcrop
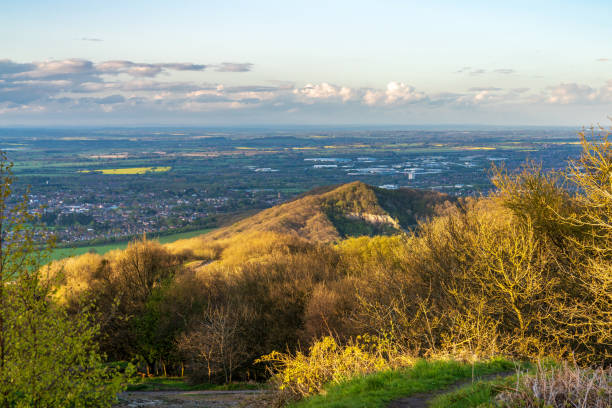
(374, 219)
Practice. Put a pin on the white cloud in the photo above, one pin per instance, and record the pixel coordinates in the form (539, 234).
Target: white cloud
(325, 91)
(481, 97)
(14, 108)
(395, 93)
(573, 93)
(218, 91)
(55, 68)
(398, 92)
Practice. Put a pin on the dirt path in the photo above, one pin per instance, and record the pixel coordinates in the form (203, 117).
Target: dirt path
(189, 399)
(422, 400)
(252, 399)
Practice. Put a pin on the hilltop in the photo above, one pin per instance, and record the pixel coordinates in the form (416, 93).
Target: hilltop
(333, 213)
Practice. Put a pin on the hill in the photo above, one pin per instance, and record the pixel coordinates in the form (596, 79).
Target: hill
(522, 273)
(330, 214)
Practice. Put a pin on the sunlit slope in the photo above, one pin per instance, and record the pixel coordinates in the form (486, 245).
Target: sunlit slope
(327, 215)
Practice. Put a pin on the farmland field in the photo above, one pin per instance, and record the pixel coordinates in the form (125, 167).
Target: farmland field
(129, 170)
(61, 253)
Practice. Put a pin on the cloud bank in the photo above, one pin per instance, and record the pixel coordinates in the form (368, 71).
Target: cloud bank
(124, 88)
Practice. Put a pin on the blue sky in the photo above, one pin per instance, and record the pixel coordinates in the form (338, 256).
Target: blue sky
(305, 62)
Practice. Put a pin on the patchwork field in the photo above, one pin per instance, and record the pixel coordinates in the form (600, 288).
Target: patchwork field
(130, 170)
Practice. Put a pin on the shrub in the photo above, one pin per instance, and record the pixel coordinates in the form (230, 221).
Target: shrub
(570, 213)
(301, 374)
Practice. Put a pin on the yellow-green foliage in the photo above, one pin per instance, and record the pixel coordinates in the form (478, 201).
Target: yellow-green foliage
(525, 272)
(237, 250)
(490, 276)
(301, 218)
(327, 361)
(353, 197)
(198, 247)
(76, 274)
(257, 246)
(140, 267)
(573, 225)
(368, 254)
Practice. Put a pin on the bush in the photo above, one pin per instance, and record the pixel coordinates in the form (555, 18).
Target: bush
(300, 374)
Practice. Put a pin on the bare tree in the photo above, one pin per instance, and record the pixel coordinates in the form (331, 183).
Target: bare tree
(216, 345)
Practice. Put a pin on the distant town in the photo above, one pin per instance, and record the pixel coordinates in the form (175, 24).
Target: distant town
(105, 185)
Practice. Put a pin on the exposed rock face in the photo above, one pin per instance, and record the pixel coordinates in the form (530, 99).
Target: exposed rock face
(374, 219)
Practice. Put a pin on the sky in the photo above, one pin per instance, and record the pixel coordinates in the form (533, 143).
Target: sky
(295, 62)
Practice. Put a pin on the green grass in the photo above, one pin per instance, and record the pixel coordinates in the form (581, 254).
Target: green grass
(478, 394)
(166, 239)
(61, 253)
(481, 393)
(180, 384)
(377, 390)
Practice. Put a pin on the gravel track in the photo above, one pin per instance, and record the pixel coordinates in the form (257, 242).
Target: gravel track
(189, 399)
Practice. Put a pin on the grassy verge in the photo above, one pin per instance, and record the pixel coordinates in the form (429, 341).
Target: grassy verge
(377, 390)
(180, 384)
(477, 394)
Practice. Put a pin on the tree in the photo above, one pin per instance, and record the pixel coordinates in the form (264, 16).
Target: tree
(46, 358)
(591, 175)
(216, 345)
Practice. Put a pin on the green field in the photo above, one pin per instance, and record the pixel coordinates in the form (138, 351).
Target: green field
(61, 253)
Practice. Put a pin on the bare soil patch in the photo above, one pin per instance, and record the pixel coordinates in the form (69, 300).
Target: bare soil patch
(190, 399)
